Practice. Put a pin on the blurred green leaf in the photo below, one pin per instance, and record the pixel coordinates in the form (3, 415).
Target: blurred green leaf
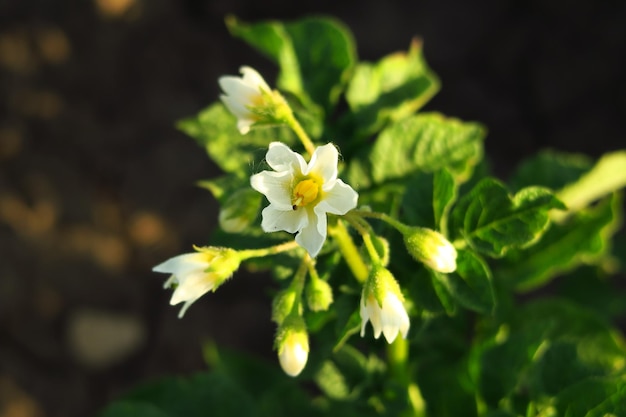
(493, 222)
(186, 397)
(582, 239)
(550, 169)
(314, 54)
(426, 142)
(417, 201)
(445, 193)
(331, 381)
(593, 397)
(607, 175)
(214, 128)
(392, 89)
(544, 348)
(470, 284)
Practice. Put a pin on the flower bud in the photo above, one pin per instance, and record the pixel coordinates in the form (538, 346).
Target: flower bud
(319, 294)
(239, 210)
(382, 305)
(195, 274)
(292, 343)
(431, 248)
(283, 303)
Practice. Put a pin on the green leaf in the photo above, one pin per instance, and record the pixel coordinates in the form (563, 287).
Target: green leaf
(493, 222)
(607, 175)
(426, 142)
(417, 201)
(470, 284)
(445, 193)
(392, 89)
(593, 397)
(544, 348)
(193, 396)
(583, 239)
(214, 128)
(239, 203)
(314, 54)
(550, 169)
(331, 381)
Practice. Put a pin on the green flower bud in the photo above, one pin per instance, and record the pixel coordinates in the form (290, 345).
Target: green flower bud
(431, 248)
(283, 304)
(239, 210)
(319, 294)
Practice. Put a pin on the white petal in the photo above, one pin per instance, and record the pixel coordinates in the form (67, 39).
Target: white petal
(183, 264)
(253, 78)
(276, 186)
(243, 125)
(237, 108)
(394, 318)
(374, 315)
(339, 198)
(281, 158)
(293, 358)
(288, 220)
(237, 89)
(365, 316)
(192, 286)
(311, 237)
(324, 162)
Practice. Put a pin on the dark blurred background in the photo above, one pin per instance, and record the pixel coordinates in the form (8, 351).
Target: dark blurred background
(96, 186)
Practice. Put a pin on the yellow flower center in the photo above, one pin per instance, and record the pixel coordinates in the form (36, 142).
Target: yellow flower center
(304, 192)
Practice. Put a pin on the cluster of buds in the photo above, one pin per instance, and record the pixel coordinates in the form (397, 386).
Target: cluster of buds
(301, 195)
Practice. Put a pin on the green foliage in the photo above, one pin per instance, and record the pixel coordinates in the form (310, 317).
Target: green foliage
(315, 55)
(491, 221)
(392, 89)
(426, 142)
(541, 352)
(214, 129)
(474, 348)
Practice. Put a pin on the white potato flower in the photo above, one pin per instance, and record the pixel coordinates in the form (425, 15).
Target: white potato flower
(300, 195)
(381, 304)
(195, 274)
(243, 94)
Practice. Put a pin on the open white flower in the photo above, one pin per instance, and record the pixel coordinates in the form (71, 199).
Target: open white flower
(381, 304)
(195, 274)
(300, 195)
(242, 95)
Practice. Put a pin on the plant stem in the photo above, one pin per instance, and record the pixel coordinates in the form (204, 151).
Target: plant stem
(401, 227)
(293, 123)
(350, 252)
(272, 250)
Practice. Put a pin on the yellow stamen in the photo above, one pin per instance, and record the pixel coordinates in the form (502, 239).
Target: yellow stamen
(304, 192)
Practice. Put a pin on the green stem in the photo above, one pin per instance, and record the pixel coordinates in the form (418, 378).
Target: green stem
(401, 227)
(397, 356)
(272, 250)
(364, 228)
(350, 252)
(293, 123)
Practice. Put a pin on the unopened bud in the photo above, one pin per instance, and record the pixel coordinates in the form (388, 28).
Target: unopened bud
(319, 295)
(239, 210)
(431, 248)
(292, 343)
